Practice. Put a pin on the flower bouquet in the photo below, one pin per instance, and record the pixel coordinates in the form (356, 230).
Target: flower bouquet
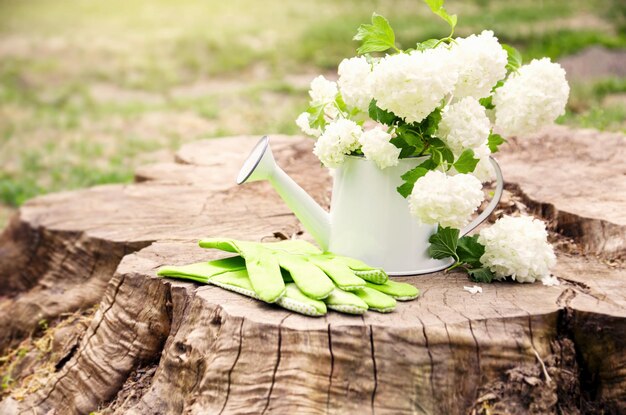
(449, 103)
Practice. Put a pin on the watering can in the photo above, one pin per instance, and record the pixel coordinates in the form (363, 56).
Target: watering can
(368, 220)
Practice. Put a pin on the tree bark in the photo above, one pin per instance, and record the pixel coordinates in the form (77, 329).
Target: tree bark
(164, 346)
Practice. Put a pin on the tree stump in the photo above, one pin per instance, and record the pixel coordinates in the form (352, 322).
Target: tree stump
(168, 347)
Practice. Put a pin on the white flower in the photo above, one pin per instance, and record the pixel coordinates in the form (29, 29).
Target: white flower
(447, 200)
(481, 63)
(550, 281)
(322, 91)
(532, 98)
(517, 247)
(484, 171)
(354, 82)
(413, 85)
(303, 122)
(464, 124)
(341, 137)
(377, 148)
(474, 289)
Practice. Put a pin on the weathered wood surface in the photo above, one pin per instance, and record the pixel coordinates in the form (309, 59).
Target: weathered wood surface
(160, 346)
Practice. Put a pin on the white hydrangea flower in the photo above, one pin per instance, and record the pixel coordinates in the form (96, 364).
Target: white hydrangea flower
(377, 148)
(517, 247)
(464, 124)
(413, 85)
(531, 98)
(303, 122)
(341, 137)
(446, 200)
(354, 82)
(484, 171)
(322, 91)
(481, 63)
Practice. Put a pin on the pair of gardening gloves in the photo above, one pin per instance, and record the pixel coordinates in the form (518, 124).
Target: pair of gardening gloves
(296, 275)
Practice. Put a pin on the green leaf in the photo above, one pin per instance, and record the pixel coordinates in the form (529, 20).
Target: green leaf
(494, 141)
(440, 151)
(375, 37)
(427, 44)
(436, 6)
(412, 175)
(316, 116)
(443, 243)
(469, 251)
(481, 274)
(487, 102)
(514, 58)
(407, 151)
(341, 104)
(381, 115)
(466, 163)
(431, 124)
(405, 189)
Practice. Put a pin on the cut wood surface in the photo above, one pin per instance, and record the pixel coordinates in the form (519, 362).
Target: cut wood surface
(163, 346)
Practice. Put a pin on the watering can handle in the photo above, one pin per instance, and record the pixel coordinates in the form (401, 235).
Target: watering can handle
(492, 205)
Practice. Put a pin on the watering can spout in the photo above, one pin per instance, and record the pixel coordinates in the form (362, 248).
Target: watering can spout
(260, 165)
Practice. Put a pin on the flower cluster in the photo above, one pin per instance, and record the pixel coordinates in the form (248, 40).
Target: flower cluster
(446, 200)
(446, 101)
(517, 247)
(534, 96)
(340, 138)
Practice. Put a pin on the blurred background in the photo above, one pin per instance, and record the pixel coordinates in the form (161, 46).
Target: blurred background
(90, 89)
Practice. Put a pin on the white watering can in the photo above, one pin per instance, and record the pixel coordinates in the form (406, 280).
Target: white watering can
(368, 218)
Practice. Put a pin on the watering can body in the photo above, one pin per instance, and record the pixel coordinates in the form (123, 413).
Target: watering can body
(368, 220)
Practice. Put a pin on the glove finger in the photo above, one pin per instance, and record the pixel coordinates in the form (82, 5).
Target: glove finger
(310, 279)
(345, 302)
(294, 246)
(236, 281)
(401, 291)
(265, 277)
(341, 275)
(376, 300)
(203, 271)
(223, 244)
(296, 301)
(360, 268)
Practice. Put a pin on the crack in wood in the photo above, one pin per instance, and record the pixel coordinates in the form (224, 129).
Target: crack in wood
(373, 351)
(430, 356)
(269, 395)
(230, 371)
(332, 369)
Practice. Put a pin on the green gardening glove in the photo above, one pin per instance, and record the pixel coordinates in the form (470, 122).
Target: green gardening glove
(301, 263)
(315, 273)
(231, 274)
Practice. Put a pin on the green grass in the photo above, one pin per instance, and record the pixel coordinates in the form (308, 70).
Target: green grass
(89, 90)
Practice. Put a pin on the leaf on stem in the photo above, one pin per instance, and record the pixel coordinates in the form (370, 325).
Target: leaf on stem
(427, 44)
(470, 250)
(481, 274)
(466, 163)
(436, 6)
(494, 141)
(514, 58)
(443, 243)
(411, 176)
(375, 37)
(382, 116)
